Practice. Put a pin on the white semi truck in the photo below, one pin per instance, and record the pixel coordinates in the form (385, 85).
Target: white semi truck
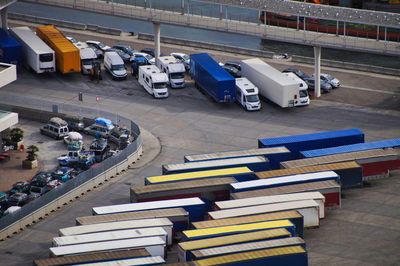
(304, 97)
(272, 84)
(174, 70)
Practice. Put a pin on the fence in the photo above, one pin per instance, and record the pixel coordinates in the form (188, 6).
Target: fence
(74, 188)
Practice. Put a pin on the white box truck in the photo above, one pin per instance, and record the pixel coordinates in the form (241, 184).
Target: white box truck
(272, 84)
(174, 70)
(247, 94)
(304, 97)
(153, 81)
(88, 56)
(36, 54)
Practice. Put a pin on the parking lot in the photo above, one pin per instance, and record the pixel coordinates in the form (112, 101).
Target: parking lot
(364, 232)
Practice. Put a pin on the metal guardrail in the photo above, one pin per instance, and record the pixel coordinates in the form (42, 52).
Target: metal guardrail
(226, 25)
(74, 188)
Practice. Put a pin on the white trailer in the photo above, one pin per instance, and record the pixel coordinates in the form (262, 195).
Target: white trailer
(304, 97)
(272, 84)
(88, 55)
(37, 55)
(157, 260)
(247, 94)
(174, 70)
(153, 81)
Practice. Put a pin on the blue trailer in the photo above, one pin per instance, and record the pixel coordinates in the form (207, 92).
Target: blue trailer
(275, 155)
(210, 77)
(382, 144)
(254, 163)
(11, 50)
(313, 141)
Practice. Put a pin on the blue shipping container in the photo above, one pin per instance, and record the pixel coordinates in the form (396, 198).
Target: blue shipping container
(313, 141)
(10, 49)
(382, 144)
(212, 78)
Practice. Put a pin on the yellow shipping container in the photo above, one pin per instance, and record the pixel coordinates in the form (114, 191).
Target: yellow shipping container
(67, 55)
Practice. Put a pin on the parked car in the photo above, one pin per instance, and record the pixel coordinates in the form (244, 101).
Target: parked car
(99, 45)
(232, 70)
(75, 123)
(125, 48)
(19, 187)
(78, 44)
(182, 58)
(298, 73)
(325, 86)
(101, 127)
(41, 179)
(63, 173)
(124, 56)
(335, 83)
(98, 52)
(234, 64)
(150, 51)
(149, 58)
(114, 64)
(17, 199)
(56, 128)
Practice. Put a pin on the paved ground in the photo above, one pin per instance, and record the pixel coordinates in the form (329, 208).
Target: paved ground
(366, 231)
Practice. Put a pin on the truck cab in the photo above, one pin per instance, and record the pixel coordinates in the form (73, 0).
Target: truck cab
(79, 159)
(174, 70)
(247, 94)
(153, 81)
(88, 56)
(304, 98)
(136, 62)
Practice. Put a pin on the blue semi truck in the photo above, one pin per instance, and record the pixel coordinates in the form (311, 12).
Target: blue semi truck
(11, 50)
(210, 77)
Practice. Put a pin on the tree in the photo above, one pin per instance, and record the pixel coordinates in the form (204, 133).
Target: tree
(32, 150)
(16, 134)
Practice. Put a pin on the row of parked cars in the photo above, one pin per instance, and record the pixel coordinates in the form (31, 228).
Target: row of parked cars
(328, 82)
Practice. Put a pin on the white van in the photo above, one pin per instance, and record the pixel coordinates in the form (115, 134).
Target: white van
(153, 81)
(88, 55)
(247, 94)
(304, 97)
(174, 70)
(113, 63)
(56, 128)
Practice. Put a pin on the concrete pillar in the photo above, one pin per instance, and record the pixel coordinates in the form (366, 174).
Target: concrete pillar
(220, 11)
(317, 71)
(4, 22)
(182, 7)
(156, 27)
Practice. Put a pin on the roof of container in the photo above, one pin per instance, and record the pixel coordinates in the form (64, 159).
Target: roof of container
(182, 185)
(207, 62)
(140, 206)
(237, 153)
(237, 228)
(98, 256)
(285, 179)
(310, 186)
(251, 255)
(216, 163)
(156, 260)
(199, 174)
(248, 219)
(237, 203)
(34, 41)
(266, 208)
(56, 37)
(382, 144)
(312, 136)
(308, 169)
(7, 41)
(158, 213)
(341, 157)
(237, 238)
(288, 241)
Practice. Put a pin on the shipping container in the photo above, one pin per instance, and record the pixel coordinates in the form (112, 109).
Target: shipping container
(209, 190)
(284, 180)
(157, 260)
(294, 216)
(330, 189)
(382, 144)
(109, 236)
(254, 163)
(36, 54)
(253, 201)
(178, 216)
(245, 247)
(96, 257)
(184, 248)
(10, 49)
(195, 207)
(68, 58)
(321, 140)
(154, 245)
(295, 255)
(210, 77)
(350, 173)
(239, 173)
(197, 234)
(308, 208)
(122, 225)
(274, 155)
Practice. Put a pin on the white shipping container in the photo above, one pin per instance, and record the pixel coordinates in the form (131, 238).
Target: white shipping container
(129, 262)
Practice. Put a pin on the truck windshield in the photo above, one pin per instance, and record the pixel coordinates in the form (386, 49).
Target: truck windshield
(160, 85)
(186, 57)
(177, 76)
(46, 57)
(252, 98)
(117, 67)
(303, 93)
(87, 62)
